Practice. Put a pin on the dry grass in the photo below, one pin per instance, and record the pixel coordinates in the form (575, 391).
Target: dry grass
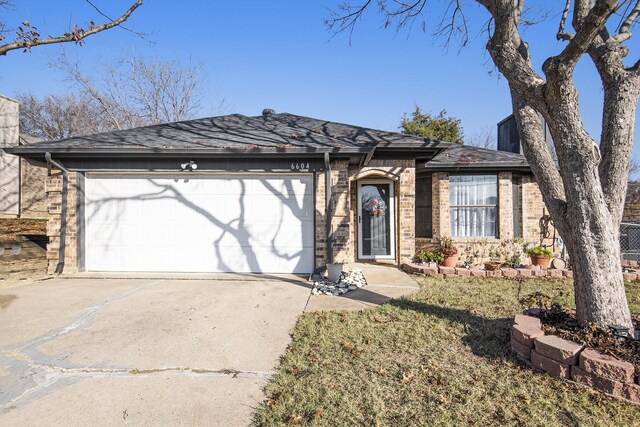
(439, 357)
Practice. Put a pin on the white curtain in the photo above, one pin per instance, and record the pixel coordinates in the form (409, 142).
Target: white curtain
(474, 205)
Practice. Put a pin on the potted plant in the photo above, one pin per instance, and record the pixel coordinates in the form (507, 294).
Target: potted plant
(449, 252)
(540, 256)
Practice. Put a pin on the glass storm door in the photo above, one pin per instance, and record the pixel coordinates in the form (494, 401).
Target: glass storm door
(376, 220)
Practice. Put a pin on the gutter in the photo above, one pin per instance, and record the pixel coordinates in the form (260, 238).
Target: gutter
(63, 210)
(329, 210)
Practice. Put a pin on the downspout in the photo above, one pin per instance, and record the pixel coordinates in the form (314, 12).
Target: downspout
(63, 210)
(329, 210)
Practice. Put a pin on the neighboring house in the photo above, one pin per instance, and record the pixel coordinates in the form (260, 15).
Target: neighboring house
(21, 180)
(276, 193)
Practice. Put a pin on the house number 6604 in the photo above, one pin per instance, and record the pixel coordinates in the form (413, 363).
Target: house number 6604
(299, 166)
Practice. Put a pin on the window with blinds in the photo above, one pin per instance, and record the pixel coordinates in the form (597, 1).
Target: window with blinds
(474, 205)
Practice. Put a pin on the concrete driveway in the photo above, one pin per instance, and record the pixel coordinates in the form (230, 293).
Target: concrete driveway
(142, 351)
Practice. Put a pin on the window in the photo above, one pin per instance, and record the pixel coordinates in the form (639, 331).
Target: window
(474, 205)
(423, 207)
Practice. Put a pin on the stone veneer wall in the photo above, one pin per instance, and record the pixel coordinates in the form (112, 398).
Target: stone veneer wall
(532, 209)
(571, 361)
(53, 189)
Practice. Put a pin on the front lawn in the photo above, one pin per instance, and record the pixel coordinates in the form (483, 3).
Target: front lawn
(439, 357)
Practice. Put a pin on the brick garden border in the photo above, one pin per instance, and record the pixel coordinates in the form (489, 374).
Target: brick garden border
(503, 272)
(573, 362)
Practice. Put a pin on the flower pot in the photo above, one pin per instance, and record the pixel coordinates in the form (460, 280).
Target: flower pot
(541, 260)
(450, 261)
(334, 271)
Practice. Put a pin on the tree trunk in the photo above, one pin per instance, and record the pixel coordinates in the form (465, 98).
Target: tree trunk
(582, 217)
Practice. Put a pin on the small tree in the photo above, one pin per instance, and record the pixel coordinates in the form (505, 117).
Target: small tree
(438, 128)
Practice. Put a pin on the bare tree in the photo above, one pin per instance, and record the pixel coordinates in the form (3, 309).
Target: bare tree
(26, 35)
(61, 116)
(136, 92)
(484, 138)
(584, 191)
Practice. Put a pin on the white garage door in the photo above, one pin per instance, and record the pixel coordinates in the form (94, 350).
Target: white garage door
(199, 223)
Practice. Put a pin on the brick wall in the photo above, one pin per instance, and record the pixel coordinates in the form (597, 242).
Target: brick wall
(401, 173)
(33, 198)
(341, 215)
(532, 209)
(53, 189)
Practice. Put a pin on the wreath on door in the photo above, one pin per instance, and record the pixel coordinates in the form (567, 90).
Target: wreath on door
(377, 207)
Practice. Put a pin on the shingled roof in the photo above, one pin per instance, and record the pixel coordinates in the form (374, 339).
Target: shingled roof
(463, 157)
(270, 132)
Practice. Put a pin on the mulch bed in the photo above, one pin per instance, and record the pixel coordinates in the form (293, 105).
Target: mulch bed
(562, 322)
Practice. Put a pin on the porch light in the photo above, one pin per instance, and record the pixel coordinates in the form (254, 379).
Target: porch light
(189, 166)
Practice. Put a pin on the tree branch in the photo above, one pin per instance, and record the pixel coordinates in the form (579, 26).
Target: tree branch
(624, 33)
(76, 35)
(563, 20)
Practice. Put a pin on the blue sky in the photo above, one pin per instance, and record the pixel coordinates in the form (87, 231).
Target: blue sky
(279, 54)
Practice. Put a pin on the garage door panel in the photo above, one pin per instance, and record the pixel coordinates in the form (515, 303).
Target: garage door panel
(201, 223)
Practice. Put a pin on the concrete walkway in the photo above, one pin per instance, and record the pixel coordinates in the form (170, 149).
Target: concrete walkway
(383, 283)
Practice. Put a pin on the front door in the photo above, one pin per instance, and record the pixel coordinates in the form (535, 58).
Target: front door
(376, 220)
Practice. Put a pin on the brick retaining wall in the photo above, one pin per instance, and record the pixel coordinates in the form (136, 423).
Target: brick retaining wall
(571, 361)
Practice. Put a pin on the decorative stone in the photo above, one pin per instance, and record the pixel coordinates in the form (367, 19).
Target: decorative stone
(463, 271)
(602, 365)
(558, 349)
(496, 273)
(477, 272)
(447, 271)
(349, 281)
(631, 392)
(539, 273)
(353, 287)
(524, 320)
(605, 385)
(509, 272)
(524, 272)
(554, 273)
(629, 276)
(550, 366)
(525, 334)
(568, 274)
(520, 349)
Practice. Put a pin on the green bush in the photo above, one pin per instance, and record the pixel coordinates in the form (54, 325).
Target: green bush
(428, 256)
(539, 250)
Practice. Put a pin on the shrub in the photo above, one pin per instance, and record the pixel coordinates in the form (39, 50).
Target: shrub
(539, 250)
(428, 256)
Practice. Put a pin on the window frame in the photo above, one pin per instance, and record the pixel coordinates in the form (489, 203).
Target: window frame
(425, 177)
(496, 206)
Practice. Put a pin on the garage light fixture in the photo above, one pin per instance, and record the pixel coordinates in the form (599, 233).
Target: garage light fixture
(191, 166)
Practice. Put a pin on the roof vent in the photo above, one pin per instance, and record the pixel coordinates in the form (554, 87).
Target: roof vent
(268, 111)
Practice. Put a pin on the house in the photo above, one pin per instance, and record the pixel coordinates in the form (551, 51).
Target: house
(274, 193)
(21, 180)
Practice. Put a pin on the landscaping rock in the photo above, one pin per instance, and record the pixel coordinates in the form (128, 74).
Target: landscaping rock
(539, 273)
(523, 319)
(477, 272)
(558, 349)
(495, 273)
(520, 349)
(605, 366)
(568, 274)
(509, 272)
(349, 281)
(629, 276)
(463, 271)
(554, 273)
(526, 334)
(603, 384)
(550, 366)
(447, 271)
(524, 272)
(631, 392)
